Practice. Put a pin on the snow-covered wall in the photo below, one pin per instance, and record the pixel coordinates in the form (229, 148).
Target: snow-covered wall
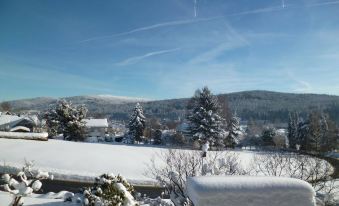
(253, 191)
(24, 135)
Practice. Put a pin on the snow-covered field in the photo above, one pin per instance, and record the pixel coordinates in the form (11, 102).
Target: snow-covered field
(35, 199)
(79, 161)
(82, 162)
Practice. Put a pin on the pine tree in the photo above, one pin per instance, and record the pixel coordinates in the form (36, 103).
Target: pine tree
(67, 119)
(293, 129)
(136, 124)
(234, 128)
(303, 133)
(205, 123)
(267, 136)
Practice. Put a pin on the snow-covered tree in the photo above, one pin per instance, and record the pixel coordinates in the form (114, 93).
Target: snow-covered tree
(303, 130)
(205, 123)
(136, 124)
(25, 183)
(232, 138)
(67, 119)
(267, 136)
(293, 129)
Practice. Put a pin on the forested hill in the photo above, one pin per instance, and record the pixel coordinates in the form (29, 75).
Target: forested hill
(258, 105)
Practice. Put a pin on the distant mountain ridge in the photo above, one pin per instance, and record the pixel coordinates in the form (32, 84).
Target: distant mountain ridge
(258, 105)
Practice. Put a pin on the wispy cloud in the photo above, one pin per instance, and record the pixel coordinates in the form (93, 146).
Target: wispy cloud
(151, 27)
(136, 59)
(301, 85)
(232, 40)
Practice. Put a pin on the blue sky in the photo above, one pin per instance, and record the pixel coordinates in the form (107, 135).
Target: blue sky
(161, 49)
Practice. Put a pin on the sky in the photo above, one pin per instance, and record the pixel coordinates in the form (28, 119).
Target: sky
(162, 49)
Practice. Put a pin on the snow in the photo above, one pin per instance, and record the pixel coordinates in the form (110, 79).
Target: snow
(14, 129)
(96, 122)
(6, 119)
(247, 190)
(79, 161)
(34, 200)
(24, 135)
(82, 162)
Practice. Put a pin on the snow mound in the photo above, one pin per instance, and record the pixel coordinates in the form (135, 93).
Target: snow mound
(246, 190)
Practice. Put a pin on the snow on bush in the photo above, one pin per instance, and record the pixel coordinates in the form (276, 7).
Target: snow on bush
(109, 190)
(248, 190)
(24, 184)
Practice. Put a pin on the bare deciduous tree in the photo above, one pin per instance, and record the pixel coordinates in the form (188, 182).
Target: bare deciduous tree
(177, 165)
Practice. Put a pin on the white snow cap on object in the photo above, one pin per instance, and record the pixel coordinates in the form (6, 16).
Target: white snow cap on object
(205, 147)
(246, 190)
(42, 175)
(36, 186)
(96, 122)
(6, 178)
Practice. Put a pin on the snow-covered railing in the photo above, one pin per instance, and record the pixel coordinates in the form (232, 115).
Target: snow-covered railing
(245, 190)
(24, 135)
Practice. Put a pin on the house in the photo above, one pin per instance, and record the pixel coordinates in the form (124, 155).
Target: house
(96, 127)
(15, 123)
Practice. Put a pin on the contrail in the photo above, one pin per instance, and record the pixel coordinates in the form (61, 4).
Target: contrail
(154, 26)
(195, 8)
(323, 3)
(196, 20)
(133, 60)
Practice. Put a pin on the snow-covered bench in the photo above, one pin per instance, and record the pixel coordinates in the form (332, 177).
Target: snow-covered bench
(249, 191)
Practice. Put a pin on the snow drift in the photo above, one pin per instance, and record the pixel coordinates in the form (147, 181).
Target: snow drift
(249, 190)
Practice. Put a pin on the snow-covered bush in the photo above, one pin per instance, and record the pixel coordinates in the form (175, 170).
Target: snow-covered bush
(155, 202)
(25, 183)
(178, 165)
(109, 190)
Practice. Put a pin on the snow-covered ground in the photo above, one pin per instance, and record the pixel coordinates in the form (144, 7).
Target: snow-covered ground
(82, 162)
(35, 199)
(79, 161)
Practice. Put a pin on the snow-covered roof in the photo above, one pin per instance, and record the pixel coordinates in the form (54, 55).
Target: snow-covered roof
(246, 190)
(8, 119)
(96, 122)
(281, 131)
(17, 128)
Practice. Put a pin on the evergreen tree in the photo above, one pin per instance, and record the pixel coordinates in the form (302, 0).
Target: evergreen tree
(293, 129)
(303, 133)
(315, 132)
(67, 119)
(157, 137)
(136, 124)
(205, 123)
(267, 137)
(233, 132)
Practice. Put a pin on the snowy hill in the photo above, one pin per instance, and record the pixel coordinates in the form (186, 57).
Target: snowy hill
(91, 101)
(257, 105)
